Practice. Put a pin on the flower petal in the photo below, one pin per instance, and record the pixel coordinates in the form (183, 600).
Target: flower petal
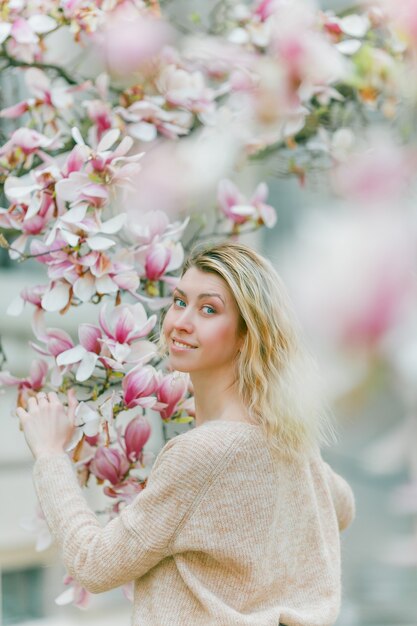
(87, 365)
(89, 336)
(75, 214)
(114, 224)
(99, 243)
(73, 355)
(108, 140)
(56, 298)
(104, 284)
(85, 287)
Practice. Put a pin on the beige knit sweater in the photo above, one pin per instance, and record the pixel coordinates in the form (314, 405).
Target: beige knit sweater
(224, 533)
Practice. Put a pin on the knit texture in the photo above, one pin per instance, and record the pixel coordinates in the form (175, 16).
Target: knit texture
(226, 533)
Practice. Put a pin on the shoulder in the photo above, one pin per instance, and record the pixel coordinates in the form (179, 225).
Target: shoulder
(203, 449)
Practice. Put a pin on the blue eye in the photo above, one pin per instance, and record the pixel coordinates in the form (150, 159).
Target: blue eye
(210, 309)
(179, 302)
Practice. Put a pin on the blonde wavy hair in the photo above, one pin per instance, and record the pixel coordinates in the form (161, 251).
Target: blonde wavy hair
(276, 377)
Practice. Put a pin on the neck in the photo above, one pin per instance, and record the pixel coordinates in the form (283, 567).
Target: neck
(216, 397)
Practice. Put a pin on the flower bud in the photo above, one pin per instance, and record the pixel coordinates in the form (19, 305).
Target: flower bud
(109, 464)
(157, 260)
(170, 392)
(136, 435)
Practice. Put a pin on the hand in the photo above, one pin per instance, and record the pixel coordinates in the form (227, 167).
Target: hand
(47, 425)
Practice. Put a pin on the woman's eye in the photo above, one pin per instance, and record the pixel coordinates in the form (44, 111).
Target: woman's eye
(179, 302)
(208, 309)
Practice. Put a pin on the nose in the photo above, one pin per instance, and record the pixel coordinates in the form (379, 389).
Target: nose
(184, 320)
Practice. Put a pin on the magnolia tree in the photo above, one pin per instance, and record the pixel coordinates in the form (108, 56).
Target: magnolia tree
(134, 126)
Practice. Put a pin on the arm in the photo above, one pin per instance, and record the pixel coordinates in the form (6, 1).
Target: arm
(101, 558)
(343, 498)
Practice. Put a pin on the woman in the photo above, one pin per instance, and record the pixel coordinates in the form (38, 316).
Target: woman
(239, 523)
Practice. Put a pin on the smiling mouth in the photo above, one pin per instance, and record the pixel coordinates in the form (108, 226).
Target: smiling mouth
(185, 346)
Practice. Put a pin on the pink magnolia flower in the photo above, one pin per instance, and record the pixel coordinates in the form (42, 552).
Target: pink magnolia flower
(185, 89)
(105, 170)
(32, 206)
(158, 258)
(85, 354)
(139, 385)
(151, 225)
(170, 392)
(350, 284)
(56, 341)
(109, 464)
(16, 110)
(377, 174)
(401, 16)
(131, 38)
(123, 327)
(35, 381)
(77, 226)
(125, 492)
(24, 35)
(75, 593)
(236, 208)
(100, 113)
(148, 117)
(22, 146)
(36, 524)
(157, 261)
(49, 100)
(136, 435)
(33, 295)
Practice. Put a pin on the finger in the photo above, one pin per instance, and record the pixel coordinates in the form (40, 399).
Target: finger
(32, 404)
(52, 397)
(22, 415)
(42, 398)
(72, 404)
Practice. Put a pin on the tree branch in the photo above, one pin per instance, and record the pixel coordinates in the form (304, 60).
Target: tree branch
(42, 66)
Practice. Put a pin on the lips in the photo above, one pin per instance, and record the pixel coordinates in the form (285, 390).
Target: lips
(180, 343)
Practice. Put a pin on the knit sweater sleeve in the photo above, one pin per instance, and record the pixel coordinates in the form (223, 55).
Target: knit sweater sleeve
(343, 498)
(101, 558)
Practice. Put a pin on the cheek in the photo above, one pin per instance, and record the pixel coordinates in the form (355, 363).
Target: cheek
(226, 335)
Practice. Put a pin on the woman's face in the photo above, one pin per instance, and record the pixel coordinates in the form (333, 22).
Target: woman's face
(201, 327)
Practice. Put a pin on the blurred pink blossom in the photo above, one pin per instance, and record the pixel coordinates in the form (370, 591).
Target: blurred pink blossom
(377, 174)
(76, 594)
(23, 145)
(131, 39)
(36, 524)
(22, 36)
(186, 90)
(239, 210)
(148, 117)
(351, 275)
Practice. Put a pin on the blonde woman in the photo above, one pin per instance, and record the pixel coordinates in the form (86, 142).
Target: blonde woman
(240, 521)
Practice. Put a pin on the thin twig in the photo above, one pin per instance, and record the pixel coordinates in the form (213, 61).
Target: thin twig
(42, 66)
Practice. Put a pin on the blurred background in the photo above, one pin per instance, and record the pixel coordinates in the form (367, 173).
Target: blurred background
(349, 262)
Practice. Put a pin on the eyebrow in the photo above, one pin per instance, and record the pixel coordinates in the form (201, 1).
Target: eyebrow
(202, 295)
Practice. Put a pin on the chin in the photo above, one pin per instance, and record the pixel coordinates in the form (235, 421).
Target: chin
(179, 367)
